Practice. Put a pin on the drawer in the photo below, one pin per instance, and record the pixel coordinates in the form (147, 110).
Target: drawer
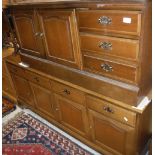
(6, 85)
(38, 79)
(110, 21)
(110, 69)
(68, 92)
(111, 110)
(16, 70)
(103, 45)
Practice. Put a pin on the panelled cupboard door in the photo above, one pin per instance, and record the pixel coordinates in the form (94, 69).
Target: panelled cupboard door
(28, 32)
(7, 86)
(72, 115)
(111, 135)
(23, 90)
(60, 36)
(44, 99)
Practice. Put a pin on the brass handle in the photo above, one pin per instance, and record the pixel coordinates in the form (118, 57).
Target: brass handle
(105, 20)
(41, 34)
(66, 91)
(105, 45)
(37, 34)
(107, 67)
(36, 78)
(108, 109)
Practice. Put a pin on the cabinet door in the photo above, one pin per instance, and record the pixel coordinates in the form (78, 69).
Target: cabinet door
(28, 32)
(7, 86)
(72, 115)
(23, 90)
(60, 36)
(44, 99)
(111, 135)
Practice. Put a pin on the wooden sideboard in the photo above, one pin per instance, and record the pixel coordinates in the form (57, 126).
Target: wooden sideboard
(88, 69)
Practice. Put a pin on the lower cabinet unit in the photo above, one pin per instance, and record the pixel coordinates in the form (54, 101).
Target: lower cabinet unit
(111, 135)
(72, 115)
(23, 90)
(43, 99)
(109, 128)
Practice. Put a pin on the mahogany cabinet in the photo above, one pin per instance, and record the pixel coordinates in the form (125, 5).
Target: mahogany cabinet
(88, 69)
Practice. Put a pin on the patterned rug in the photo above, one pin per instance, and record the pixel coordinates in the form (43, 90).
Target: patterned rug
(7, 106)
(26, 135)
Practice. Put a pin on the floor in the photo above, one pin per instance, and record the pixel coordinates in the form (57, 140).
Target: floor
(18, 109)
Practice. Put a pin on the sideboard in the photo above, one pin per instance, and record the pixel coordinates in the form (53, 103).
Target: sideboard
(86, 67)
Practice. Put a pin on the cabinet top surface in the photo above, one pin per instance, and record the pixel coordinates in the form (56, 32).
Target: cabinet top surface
(78, 2)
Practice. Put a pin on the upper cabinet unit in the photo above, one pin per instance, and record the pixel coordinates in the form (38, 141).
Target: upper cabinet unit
(28, 32)
(104, 40)
(49, 33)
(60, 36)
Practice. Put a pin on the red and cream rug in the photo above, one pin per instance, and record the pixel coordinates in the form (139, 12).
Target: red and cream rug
(26, 133)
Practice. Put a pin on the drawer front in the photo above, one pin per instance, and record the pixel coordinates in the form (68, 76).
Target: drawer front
(118, 47)
(122, 22)
(38, 79)
(6, 85)
(68, 92)
(110, 69)
(16, 70)
(111, 110)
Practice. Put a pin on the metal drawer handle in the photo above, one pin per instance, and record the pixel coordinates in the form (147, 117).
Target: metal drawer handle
(41, 34)
(66, 91)
(105, 45)
(108, 109)
(36, 34)
(36, 78)
(105, 20)
(107, 67)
